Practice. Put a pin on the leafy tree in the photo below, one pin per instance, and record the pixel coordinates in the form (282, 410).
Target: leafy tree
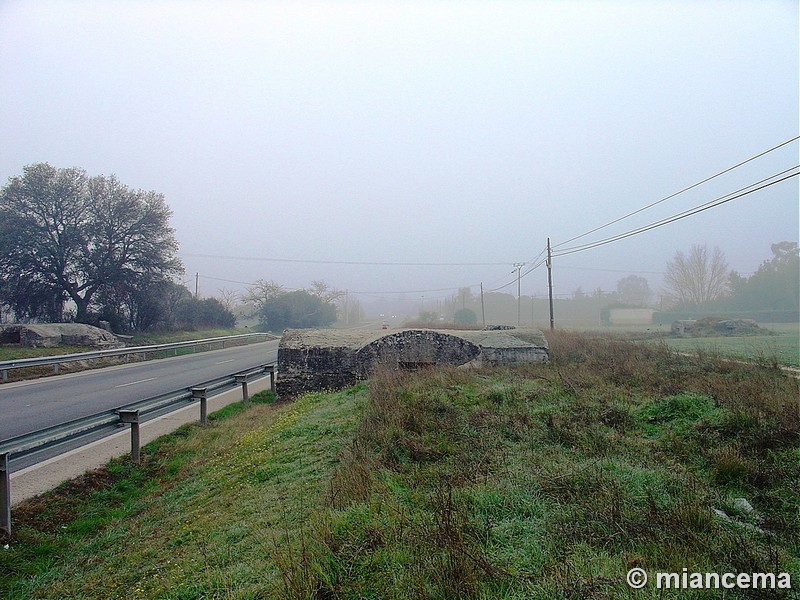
(298, 309)
(198, 314)
(774, 286)
(31, 299)
(67, 235)
(464, 296)
(428, 316)
(465, 316)
(337, 298)
(152, 304)
(633, 291)
(697, 278)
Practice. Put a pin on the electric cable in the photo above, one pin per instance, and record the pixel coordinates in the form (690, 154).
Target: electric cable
(686, 189)
(687, 213)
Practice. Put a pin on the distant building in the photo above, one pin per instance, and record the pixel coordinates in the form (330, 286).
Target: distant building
(630, 316)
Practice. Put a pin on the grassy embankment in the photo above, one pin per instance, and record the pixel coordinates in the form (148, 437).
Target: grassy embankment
(543, 481)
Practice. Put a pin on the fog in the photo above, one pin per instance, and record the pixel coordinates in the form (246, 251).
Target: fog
(410, 149)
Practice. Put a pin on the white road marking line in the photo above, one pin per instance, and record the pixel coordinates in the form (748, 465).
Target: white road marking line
(134, 382)
(224, 361)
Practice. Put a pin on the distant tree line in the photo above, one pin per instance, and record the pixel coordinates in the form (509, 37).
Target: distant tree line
(700, 280)
(697, 282)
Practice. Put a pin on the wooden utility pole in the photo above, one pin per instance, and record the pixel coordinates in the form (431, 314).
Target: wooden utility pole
(483, 308)
(550, 282)
(518, 266)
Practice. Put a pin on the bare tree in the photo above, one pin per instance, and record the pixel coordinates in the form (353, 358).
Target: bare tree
(261, 293)
(697, 278)
(228, 298)
(324, 292)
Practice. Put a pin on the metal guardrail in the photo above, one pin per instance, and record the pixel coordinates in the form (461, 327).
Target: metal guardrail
(21, 363)
(29, 444)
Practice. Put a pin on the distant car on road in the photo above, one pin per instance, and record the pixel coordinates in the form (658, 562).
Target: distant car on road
(385, 325)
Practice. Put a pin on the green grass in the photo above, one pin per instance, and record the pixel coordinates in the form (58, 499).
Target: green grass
(15, 353)
(146, 339)
(540, 481)
(776, 343)
(780, 345)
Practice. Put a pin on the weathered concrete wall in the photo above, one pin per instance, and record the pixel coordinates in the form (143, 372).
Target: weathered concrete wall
(310, 360)
(414, 348)
(305, 364)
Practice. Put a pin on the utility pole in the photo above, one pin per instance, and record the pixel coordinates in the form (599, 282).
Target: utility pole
(197, 285)
(483, 308)
(518, 266)
(550, 282)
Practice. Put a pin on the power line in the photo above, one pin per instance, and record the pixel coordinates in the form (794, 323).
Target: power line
(686, 189)
(711, 204)
(610, 270)
(700, 208)
(513, 281)
(448, 289)
(346, 262)
(226, 280)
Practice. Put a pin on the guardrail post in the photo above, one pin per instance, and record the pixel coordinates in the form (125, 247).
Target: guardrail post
(56, 369)
(242, 378)
(5, 494)
(271, 377)
(132, 417)
(201, 393)
(5, 375)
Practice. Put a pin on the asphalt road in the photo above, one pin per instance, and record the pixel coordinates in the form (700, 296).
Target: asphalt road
(28, 406)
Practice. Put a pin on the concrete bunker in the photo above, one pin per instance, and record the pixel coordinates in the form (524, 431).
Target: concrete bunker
(413, 349)
(312, 359)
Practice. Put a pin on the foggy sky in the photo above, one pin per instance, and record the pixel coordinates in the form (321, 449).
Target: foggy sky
(457, 136)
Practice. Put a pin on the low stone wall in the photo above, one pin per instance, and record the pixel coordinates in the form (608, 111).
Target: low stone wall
(312, 360)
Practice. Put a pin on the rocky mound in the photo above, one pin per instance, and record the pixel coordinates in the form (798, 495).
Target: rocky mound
(49, 335)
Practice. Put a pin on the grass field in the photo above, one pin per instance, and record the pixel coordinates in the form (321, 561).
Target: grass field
(541, 481)
(781, 345)
(777, 343)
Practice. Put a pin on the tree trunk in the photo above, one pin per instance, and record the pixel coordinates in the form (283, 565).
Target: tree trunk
(82, 315)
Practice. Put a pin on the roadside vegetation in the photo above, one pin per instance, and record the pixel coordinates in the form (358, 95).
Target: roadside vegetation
(167, 337)
(15, 351)
(538, 481)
